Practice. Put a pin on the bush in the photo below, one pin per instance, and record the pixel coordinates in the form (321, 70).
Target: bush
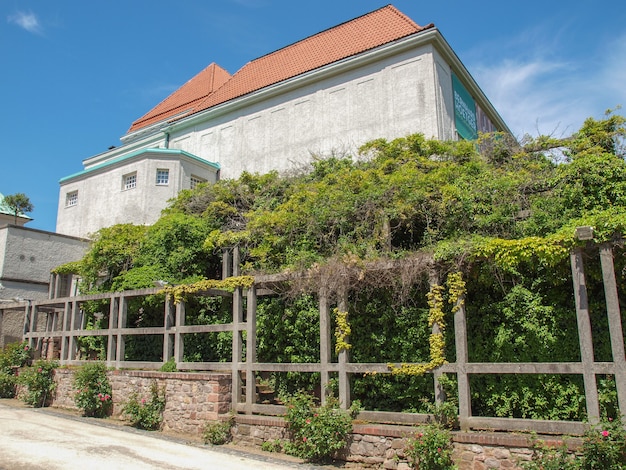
(12, 357)
(217, 432)
(317, 432)
(550, 458)
(39, 382)
(604, 447)
(93, 390)
(146, 414)
(431, 448)
(169, 366)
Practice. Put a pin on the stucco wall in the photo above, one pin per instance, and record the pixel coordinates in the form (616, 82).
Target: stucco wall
(27, 256)
(336, 113)
(103, 201)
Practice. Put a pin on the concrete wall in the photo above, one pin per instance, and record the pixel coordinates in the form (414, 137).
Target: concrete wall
(28, 255)
(103, 201)
(335, 114)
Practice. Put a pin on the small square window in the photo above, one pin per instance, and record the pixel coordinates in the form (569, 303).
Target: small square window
(195, 181)
(162, 177)
(71, 199)
(129, 181)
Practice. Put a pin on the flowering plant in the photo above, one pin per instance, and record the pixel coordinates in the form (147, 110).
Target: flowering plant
(39, 382)
(146, 413)
(317, 432)
(604, 446)
(93, 390)
(431, 448)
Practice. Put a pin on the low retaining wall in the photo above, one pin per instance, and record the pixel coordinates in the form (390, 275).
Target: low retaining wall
(193, 399)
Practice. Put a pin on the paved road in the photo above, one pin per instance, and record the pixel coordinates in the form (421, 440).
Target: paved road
(38, 439)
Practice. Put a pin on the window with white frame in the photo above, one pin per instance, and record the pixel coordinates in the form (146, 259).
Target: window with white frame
(195, 181)
(71, 198)
(129, 181)
(162, 176)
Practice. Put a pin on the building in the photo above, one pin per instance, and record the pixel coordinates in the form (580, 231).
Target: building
(27, 256)
(378, 75)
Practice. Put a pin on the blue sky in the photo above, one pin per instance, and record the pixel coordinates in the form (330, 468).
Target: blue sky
(75, 73)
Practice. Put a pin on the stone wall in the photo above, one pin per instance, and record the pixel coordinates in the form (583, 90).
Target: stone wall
(191, 400)
(382, 446)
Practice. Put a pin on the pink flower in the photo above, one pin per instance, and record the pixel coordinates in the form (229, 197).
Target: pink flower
(439, 449)
(605, 433)
(143, 401)
(25, 348)
(304, 439)
(308, 421)
(39, 370)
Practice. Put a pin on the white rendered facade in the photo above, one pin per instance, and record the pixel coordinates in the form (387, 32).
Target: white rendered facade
(131, 188)
(399, 88)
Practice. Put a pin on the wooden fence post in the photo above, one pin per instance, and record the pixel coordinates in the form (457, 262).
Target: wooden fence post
(615, 323)
(250, 348)
(460, 340)
(584, 335)
(343, 359)
(325, 342)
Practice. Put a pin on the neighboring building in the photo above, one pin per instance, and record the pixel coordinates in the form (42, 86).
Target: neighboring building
(377, 76)
(27, 256)
(7, 216)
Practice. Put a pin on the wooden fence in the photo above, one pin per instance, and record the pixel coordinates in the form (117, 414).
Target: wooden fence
(64, 324)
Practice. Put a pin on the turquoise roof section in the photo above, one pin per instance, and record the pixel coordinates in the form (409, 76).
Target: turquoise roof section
(4, 209)
(164, 152)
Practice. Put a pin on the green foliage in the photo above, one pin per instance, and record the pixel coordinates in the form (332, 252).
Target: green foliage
(39, 382)
(317, 432)
(431, 448)
(146, 413)
(217, 432)
(18, 203)
(93, 390)
(169, 365)
(604, 447)
(12, 357)
(275, 445)
(551, 458)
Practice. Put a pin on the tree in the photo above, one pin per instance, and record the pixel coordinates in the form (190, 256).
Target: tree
(18, 203)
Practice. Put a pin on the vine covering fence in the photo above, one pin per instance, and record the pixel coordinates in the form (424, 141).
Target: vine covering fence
(65, 327)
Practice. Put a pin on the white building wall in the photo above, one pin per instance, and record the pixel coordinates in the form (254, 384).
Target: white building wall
(389, 98)
(27, 256)
(103, 201)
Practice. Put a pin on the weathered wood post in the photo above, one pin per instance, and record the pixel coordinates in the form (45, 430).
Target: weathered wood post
(114, 309)
(251, 305)
(168, 324)
(325, 342)
(460, 342)
(179, 339)
(615, 323)
(584, 335)
(237, 352)
(440, 396)
(343, 359)
(122, 318)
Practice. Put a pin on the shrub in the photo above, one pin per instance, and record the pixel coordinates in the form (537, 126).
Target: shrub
(93, 390)
(604, 446)
(431, 448)
(275, 445)
(39, 382)
(146, 414)
(12, 357)
(317, 432)
(169, 366)
(217, 432)
(551, 458)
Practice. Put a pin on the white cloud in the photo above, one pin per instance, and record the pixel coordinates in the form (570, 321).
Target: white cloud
(27, 21)
(553, 94)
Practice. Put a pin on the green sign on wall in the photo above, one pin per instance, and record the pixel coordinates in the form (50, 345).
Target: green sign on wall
(464, 111)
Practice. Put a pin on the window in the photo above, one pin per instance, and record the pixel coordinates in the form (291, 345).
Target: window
(162, 177)
(196, 180)
(71, 199)
(129, 181)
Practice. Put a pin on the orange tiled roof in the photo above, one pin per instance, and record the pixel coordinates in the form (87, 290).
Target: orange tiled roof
(353, 37)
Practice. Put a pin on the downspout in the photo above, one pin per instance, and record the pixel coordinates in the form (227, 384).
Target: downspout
(166, 142)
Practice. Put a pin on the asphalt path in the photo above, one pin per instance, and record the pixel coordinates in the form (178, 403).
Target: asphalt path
(38, 439)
